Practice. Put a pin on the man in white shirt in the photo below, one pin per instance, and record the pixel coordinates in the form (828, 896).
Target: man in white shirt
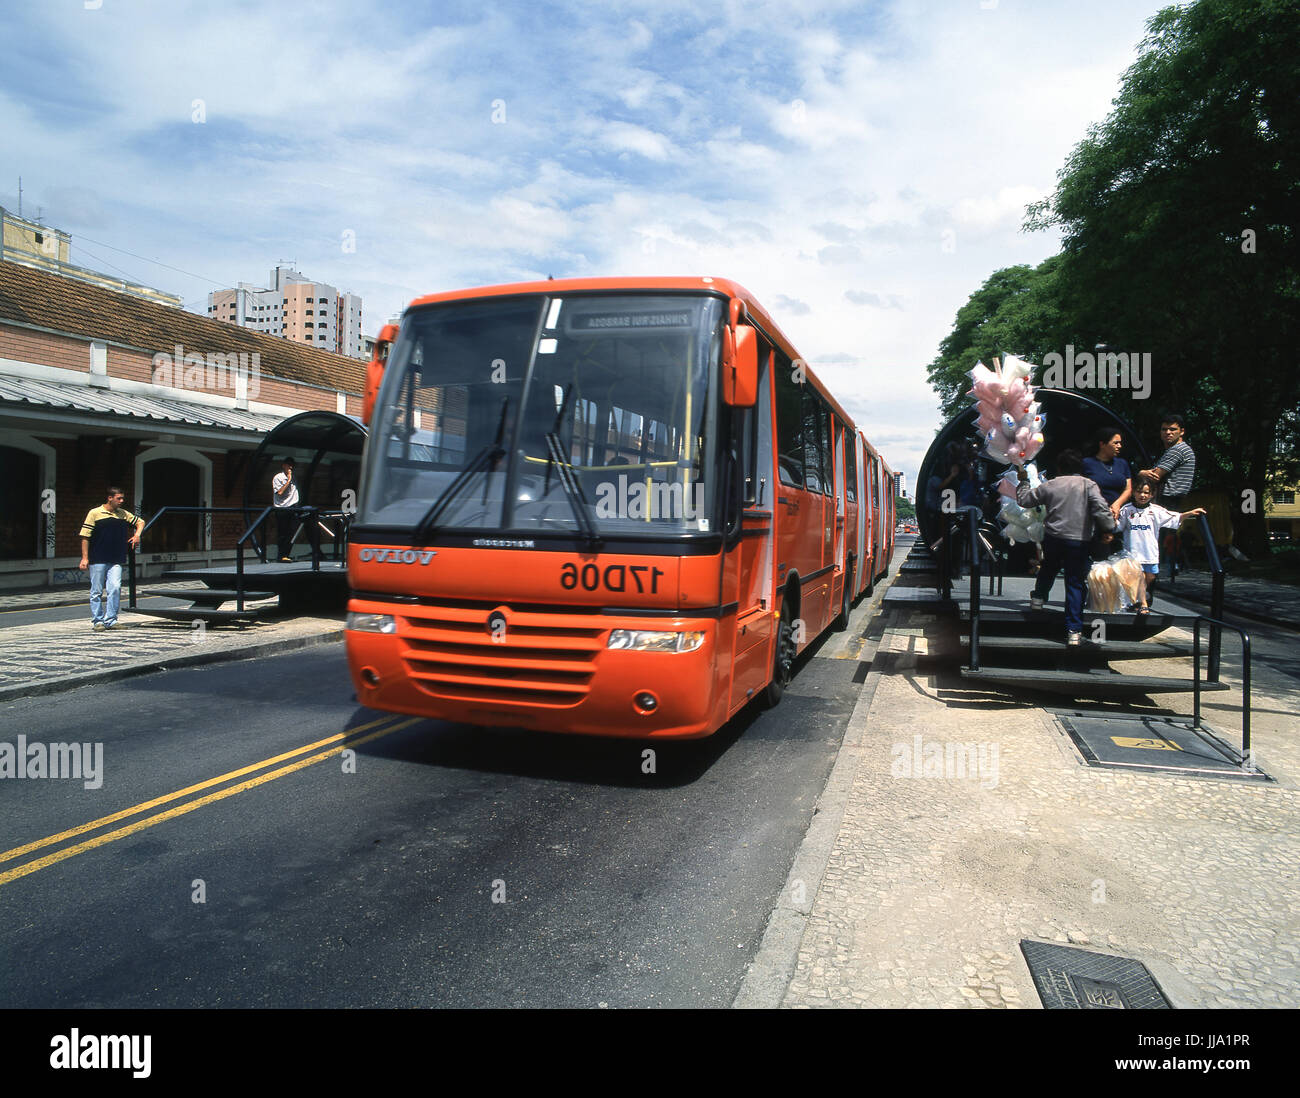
(285, 497)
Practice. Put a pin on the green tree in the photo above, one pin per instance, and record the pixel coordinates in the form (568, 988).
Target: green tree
(904, 509)
(1180, 239)
(1018, 310)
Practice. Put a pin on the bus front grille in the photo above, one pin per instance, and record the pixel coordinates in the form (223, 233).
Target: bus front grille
(528, 659)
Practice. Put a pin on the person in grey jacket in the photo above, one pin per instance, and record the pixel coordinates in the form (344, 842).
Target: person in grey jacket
(1074, 505)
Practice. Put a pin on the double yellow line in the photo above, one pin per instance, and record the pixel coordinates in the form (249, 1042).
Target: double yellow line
(324, 749)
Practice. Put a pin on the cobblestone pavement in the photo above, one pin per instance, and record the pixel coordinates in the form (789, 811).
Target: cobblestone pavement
(45, 657)
(932, 883)
(77, 596)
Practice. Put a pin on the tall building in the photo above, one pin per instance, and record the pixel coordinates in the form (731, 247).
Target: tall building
(294, 308)
(31, 244)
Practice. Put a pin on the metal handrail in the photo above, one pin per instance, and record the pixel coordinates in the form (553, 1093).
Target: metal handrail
(1245, 678)
(1216, 596)
(974, 520)
(315, 514)
(175, 510)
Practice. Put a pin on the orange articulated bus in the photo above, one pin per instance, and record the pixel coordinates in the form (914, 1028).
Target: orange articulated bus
(617, 507)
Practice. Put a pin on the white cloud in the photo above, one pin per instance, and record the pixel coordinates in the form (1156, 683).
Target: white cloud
(862, 171)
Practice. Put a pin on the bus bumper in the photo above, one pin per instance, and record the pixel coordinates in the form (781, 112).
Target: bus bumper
(544, 671)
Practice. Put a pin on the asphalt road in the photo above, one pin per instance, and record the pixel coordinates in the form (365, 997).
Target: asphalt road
(442, 866)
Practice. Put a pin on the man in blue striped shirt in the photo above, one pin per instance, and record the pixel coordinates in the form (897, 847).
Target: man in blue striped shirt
(1175, 472)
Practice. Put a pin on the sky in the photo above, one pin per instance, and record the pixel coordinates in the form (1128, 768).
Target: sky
(861, 167)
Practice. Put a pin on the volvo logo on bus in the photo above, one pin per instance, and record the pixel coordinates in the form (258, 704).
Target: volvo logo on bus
(398, 556)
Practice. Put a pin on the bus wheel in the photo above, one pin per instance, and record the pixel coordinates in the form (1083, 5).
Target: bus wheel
(782, 663)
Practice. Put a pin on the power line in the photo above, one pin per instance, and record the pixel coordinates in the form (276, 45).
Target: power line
(101, 259)
(146, 259)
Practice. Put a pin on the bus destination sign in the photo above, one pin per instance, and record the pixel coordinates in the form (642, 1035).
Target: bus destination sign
(596, 322)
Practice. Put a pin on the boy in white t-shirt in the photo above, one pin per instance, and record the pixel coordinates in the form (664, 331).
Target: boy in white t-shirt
(1140, 523)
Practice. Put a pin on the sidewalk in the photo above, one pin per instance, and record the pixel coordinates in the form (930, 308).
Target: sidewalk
(1261, 600)
(78, 595)
(50, 657)
(916, 891)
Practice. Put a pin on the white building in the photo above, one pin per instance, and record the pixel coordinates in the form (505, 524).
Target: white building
(294, 308)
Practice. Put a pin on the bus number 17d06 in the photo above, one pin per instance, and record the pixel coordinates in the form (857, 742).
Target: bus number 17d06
(613, 577)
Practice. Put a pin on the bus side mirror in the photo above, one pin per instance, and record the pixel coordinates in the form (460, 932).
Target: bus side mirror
(740, 367)
(375, 370)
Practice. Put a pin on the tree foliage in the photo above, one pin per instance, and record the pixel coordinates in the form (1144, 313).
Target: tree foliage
(1179, 223)
(1018, 310)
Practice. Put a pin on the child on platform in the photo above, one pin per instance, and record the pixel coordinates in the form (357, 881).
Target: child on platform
(1140, 523)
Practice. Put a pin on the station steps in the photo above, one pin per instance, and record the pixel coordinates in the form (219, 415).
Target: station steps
(206, 604)
(1089, 652)
(1085, 682)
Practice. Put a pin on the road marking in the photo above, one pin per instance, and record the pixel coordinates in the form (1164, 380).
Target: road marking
(1147, 743)
(344, 740)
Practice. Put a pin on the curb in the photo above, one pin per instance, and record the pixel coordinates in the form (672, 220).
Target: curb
(770, 972)
(198, 659)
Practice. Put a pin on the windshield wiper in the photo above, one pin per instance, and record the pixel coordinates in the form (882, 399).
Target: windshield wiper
(481, 461)
(572, 486)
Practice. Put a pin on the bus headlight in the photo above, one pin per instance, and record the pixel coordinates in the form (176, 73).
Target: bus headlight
(640, 640)
(372, 623)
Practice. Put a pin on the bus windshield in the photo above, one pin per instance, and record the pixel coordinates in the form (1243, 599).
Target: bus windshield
(540, 413)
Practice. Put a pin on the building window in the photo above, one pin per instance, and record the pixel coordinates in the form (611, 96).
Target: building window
(1284, 498)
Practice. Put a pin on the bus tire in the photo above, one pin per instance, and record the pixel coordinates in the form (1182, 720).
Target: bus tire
(782, 662)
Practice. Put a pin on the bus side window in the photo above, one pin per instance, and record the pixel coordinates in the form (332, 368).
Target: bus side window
(789, 425)
(851, 467)
(816, 475)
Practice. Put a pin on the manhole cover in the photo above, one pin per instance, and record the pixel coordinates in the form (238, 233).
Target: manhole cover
(1078, 979)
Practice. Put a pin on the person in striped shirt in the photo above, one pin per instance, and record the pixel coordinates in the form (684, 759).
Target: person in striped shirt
(1174, 473)
(105, 537)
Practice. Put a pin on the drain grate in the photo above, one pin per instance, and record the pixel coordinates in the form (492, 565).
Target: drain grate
(1079, 979)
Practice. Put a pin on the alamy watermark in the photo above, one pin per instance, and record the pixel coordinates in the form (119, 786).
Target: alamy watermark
(639, 499)
(53, 760)
(936, 759)
(1104, 370)
(241, 373)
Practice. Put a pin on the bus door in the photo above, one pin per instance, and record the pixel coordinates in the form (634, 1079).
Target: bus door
(862, 578)
(749, 561)
(840, 510)
(878, 507)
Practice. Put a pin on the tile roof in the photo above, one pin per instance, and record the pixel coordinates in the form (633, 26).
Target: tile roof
(43, 300)
(86, 398)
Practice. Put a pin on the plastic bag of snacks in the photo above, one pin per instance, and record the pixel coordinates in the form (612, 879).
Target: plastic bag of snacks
(1113, 584)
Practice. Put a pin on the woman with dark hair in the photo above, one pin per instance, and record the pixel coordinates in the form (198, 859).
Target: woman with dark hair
(1109, 470)
(1074, 505)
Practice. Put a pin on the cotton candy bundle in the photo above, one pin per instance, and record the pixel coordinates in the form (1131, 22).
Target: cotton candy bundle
(1010, 423)
(1023, 524)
